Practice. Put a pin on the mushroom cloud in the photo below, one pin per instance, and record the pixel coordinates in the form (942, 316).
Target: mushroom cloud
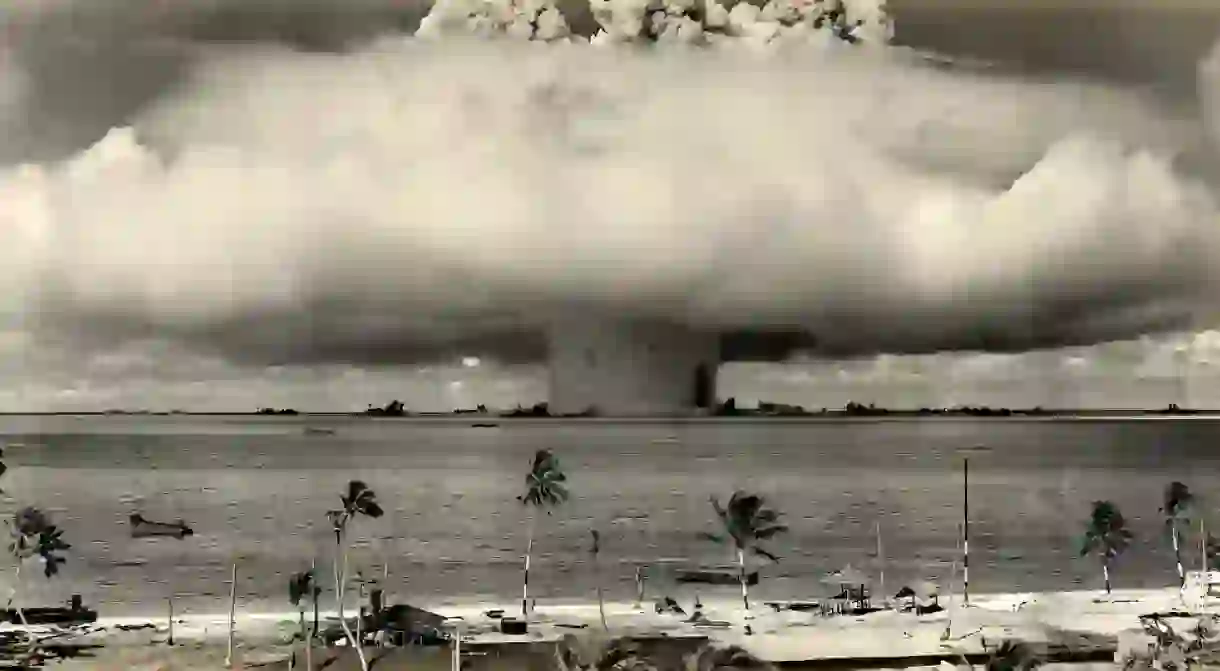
(414, 199)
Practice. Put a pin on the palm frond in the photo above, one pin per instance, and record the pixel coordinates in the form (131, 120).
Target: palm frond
(715, 538)
(544, 483)
(1177, 501)
(747, 519)
(764, 553)
(361, 500)
(767, 533)
(1106, 531)
(300, 586)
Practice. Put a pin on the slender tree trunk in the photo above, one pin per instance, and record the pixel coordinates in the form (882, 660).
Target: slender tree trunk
(1177, 555)
(313, 598)
(313, 634)
(601, 598)
(170, 640)
(232, 614)
(881, 563)
(12, 596)
(525, 581)
(360, 614)
(340, 594)
(304, 638)
(741, 575)
(1105, 574)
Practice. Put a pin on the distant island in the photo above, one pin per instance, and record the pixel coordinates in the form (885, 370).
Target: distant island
(726, 408)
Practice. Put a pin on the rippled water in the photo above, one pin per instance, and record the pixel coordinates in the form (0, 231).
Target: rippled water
(257, 489)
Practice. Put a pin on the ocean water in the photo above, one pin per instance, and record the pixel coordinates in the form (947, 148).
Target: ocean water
(256, 491)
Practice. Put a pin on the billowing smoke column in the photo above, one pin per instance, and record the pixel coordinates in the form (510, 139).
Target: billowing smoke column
(690, 185)
(613, 366)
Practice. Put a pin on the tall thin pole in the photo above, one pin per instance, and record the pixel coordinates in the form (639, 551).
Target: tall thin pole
(1204, 569)
(232, 615)
(966, 530)
(880, 561)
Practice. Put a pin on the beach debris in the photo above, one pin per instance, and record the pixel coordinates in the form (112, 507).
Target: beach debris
(495, 613)
(145, 528)
(669, 605)
(715, 576)
(513, 626)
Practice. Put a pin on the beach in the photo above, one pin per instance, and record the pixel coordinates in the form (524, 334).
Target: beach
(1070, 620)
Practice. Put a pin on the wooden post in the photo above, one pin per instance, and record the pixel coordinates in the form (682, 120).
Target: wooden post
(232, 614)
(881, 563)
(966, 530)
(313, 597)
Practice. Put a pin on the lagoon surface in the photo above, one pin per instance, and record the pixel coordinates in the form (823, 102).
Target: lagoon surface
(256, 490)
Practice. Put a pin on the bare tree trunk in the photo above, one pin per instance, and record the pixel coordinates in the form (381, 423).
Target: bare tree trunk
(304, 639)
(1105, 574)
(525, 581)
(1177, 555)
(232, 614)
(12, 595)
(313, 597)
(601, 598)
(309, 642)
(340, 593)
(360, 614)
(170, 641)
(741, 574)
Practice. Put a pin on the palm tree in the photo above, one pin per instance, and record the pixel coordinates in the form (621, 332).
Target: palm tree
(1107, 535)
(1176, 509)
(747, 521)
(300, 588)
(544, 489)
(359, 501)
(31, 535)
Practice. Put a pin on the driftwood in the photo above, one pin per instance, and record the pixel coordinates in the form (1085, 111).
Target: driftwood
(143, 528)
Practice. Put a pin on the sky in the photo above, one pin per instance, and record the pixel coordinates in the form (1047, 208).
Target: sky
(221, 206)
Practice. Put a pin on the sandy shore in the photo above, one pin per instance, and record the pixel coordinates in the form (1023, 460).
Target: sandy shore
(1080, 619)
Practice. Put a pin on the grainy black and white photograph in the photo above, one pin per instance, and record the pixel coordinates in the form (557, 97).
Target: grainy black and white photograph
(609, 335)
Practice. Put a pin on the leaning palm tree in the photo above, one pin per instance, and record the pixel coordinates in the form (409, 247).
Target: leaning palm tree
(300, 589)
(544, 489)
(359, 501)
(31, 534)
(1177, 508)
(1106, 535)
(747, 521)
